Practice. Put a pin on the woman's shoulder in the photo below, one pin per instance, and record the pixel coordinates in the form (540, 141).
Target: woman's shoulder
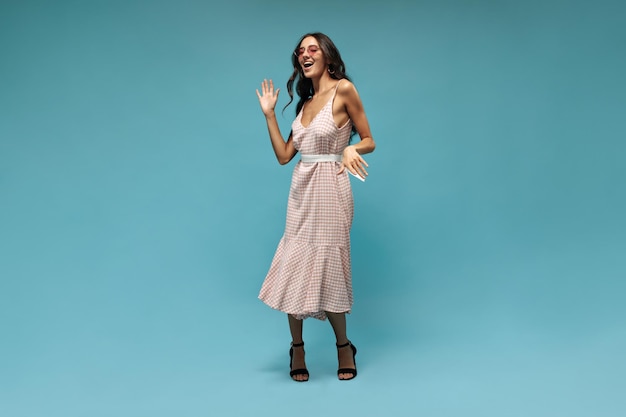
(344, 85)
(346, 88)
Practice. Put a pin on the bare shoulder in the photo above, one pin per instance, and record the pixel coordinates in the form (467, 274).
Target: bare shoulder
(346, 88)
(348, 94)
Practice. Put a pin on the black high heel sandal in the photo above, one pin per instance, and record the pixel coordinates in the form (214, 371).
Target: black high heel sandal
(301, 371)
(348, 370)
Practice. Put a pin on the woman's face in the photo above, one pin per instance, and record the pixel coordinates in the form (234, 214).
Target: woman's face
(311, 58)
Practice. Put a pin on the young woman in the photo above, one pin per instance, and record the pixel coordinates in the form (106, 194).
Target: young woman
(310, 275)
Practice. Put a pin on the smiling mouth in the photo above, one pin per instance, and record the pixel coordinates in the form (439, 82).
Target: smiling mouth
(307, 64)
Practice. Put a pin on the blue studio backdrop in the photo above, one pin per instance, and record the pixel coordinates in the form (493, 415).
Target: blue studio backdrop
(141, 204)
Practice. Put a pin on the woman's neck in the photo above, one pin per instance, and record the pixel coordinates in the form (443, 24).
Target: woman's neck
(323, 83)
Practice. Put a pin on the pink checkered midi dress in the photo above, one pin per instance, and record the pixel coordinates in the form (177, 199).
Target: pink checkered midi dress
(310, 272)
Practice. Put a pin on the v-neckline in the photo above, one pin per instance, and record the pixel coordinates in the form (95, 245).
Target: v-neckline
(316, 114)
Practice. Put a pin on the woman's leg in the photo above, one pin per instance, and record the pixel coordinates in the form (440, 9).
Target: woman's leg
(344, 354)
(297, 362)
(295, 327)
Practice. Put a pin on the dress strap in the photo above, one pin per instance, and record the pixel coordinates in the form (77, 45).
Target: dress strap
(337, 86)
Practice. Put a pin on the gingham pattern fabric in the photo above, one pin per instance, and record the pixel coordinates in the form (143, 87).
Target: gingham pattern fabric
(310, 272)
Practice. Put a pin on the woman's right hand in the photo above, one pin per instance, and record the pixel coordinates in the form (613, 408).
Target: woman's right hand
(269, 97)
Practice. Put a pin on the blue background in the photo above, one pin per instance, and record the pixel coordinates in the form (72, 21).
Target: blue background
(140, 206)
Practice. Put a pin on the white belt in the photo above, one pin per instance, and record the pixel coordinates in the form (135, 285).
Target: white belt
(321, 158)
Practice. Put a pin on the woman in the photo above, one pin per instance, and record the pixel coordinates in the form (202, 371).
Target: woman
(310, 275)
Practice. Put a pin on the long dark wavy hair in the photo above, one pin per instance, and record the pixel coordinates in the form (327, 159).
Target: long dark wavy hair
(304, 86)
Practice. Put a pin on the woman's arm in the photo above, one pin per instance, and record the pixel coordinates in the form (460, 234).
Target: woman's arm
(352, 159)
(285, 151)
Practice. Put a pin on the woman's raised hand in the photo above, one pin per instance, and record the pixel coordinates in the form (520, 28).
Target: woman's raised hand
(269, 97)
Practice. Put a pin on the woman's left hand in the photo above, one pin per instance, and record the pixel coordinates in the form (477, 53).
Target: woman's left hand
(353, 162)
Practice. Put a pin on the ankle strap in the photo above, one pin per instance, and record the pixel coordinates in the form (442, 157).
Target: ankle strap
(297, 344)
(344, 345)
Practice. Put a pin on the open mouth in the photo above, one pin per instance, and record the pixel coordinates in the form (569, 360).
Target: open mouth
(307, 64)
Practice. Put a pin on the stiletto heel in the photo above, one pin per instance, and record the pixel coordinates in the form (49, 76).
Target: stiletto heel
(348, 370)
(294, 372)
